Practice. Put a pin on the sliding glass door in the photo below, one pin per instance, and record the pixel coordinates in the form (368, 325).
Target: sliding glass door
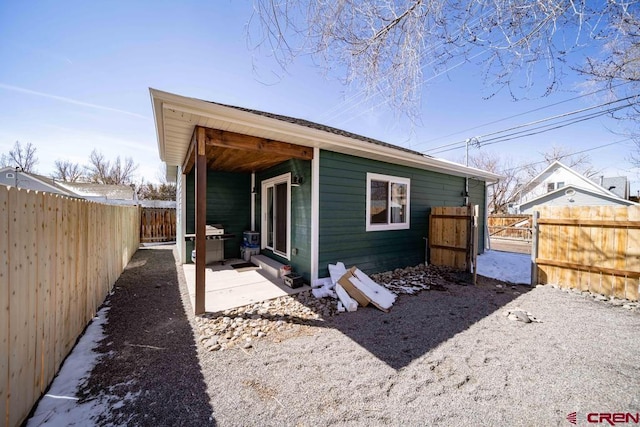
(276, 216)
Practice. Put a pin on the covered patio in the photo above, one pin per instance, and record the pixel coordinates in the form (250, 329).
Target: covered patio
(198, 145)
(227, 287)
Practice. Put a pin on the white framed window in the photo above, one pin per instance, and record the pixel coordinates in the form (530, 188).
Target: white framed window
(276, 215)
(388, 200)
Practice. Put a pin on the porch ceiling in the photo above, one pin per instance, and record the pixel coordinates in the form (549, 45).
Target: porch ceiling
(234, 152)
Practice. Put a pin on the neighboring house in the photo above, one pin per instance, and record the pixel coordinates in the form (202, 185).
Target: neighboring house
(103, 193)
(14, 177)
(559, 185)
(109, 194)
(316, 194)
(618, 185)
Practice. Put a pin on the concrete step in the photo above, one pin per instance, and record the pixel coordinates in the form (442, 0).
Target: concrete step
(270, 266)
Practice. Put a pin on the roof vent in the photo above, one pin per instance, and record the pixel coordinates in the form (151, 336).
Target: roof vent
(569, 191)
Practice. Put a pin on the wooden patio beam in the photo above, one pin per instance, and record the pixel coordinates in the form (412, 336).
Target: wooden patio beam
(239, 141)
(201, 218)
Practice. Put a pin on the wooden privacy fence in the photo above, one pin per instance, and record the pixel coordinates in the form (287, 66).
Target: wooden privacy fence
(157, 225)
(59, 259)
(593, 249)
(516, 227)
(453, 237)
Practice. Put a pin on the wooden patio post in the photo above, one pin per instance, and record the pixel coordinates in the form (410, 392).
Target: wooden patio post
(201, 218)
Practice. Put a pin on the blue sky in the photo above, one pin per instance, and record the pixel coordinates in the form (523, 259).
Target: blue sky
(75, 76)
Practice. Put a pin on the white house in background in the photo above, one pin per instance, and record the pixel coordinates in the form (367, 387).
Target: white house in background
(103, 193)
(14, 177)
(559, 185)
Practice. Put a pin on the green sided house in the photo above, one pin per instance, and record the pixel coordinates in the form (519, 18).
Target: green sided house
(315, 194)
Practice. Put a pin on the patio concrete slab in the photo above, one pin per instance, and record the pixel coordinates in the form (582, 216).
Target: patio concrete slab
(227, 288)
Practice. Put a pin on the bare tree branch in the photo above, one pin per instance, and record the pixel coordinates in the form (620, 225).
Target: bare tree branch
(500, 193)
(23, 157)
(102, 171)
(390, 45)
(67, 171)
(580, 163)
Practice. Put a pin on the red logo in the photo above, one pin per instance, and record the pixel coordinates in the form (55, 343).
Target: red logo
(611, 418)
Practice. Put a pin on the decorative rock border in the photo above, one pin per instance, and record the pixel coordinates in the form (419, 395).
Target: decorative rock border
(616, 302)
(241, 327)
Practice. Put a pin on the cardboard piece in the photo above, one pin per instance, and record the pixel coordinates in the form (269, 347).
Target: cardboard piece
(353, 292)
(380, 296)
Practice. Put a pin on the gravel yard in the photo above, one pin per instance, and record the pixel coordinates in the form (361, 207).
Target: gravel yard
(440, 357)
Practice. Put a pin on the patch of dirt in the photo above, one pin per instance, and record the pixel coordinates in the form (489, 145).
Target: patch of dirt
(149, 350)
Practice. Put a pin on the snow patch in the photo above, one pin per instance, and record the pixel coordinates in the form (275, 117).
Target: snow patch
(505, 266)
(60, 407)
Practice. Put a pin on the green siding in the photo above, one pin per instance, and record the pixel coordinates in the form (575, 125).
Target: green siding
(228, 203)
(343, 237)
(300, 214)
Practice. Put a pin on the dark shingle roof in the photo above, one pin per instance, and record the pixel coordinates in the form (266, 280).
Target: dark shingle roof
(321, 127)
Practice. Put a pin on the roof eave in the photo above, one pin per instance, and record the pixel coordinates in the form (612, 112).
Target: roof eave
(304, 135)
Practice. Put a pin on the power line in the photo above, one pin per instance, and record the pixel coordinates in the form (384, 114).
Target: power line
(553, 126)
(522, 114)
(569, 154)
(539, 129)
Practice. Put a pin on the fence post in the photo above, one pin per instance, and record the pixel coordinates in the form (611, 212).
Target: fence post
(534, 248)
(474, 254)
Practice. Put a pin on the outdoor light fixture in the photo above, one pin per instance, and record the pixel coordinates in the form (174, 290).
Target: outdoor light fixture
(296, 180)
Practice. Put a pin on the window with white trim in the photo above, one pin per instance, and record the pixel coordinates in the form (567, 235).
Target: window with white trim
(387, 202)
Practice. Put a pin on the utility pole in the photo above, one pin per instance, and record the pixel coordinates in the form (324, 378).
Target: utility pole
(476, 143)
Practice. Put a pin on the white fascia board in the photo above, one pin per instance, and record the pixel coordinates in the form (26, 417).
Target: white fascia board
(156, 102)
(310, 137)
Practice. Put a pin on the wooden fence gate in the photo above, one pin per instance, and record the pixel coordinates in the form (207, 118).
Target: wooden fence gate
(511, 227)
(453, 237)
(157, 225)
(593, 249)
